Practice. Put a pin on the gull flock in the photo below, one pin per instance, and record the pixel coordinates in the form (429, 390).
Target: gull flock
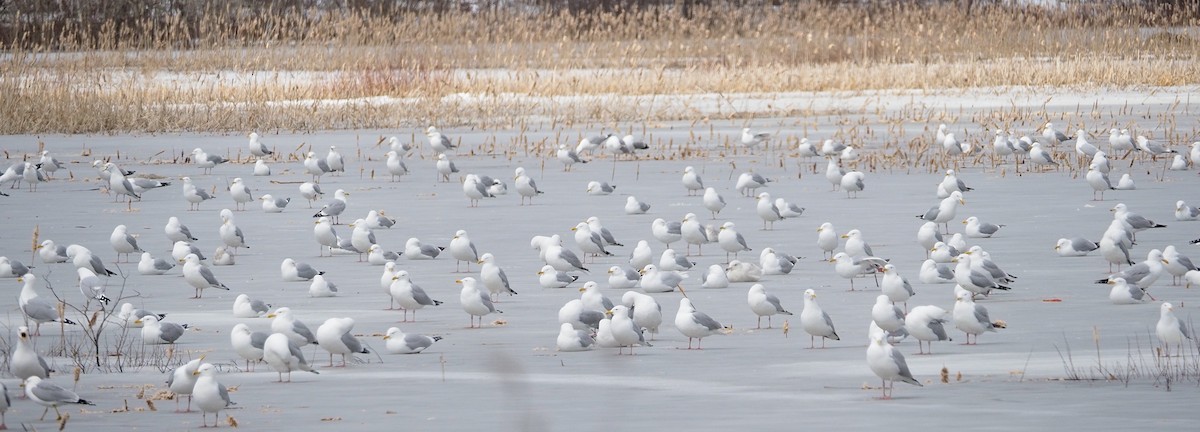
(602, 264)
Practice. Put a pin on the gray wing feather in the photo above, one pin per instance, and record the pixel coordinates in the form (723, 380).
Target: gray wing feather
(420, 296)
(51, 392)
(40, 310)
(282, 202)
(371, 238)
(989, 228)
(390, 256)
(961, 186)
(414, 342)
(162, 264)
(238, 233)
(46, 367)
(758, 179)
(1083, 245)
(224, 394)
(682, 261)
(323, 165)
(303, 331)
(571, 259)
(931, 214)
(336, 207)
(979, 279)
(203, 194)
(1137, 221)
(487, 301)
(1136, 273)
(938, 329)
(1186, 262)
(170, 332)
(186, 232)
(867, 249)
(674, 228)
(908, 287)
(981, 315)
(430, 251)
(774, 301)
(742, 241)
(566, 278)
(591, 318)
(209, 278)
(672, 279)
(258, 339)
(504, 280)
(294, 350)
(945, 272)
(828, 321)
(607, 236)
(352, 342)
(305, 271)
(706, 321)
(98, 265)
(259, 306)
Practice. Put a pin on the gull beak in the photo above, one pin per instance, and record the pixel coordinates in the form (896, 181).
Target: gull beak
(572, 228)
(1057, 247)
(1165, 262)
(845, 236)
(831, 260)
(608, 312)
(138, 322)
(395, 278)
(317, 223)
(22, 278)
(541, 273)
(962, 201)
(271, 315)
(581, 289)
(964, 222)
(181, 261)
(1111, 282)
(458, 281)
(955, 259)
(387, 337)
(195, 373)
(479, 262)
(967, 253)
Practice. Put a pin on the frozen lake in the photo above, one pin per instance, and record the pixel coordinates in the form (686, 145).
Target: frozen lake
(508, 376)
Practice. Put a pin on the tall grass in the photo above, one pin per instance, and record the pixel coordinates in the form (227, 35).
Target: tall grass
(190, 72)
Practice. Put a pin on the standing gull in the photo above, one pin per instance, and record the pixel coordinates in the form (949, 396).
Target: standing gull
(283, 355)
(207, 161)
(159, 332)
(334, 336)
(475, 302)
(624, 330)
(972, 318)
(194, 195)
(25, 361)
(945, 210)
(764, 304)
(293, 329)
(1171, 331)
(395, 165)
(50, 395)
(695, 324)
(240, 194)
(311, 192)
(568, 157)
(749, 182)
(692, 181)
(713, 201)
(211, 396)
(36, 308)
(257, 147)
(409, 295)
(316, 167)
(815, 321)
(888, 364)
(335, 207)
(199, 276)
(230, 234)
(182, 381)
(926, 324)
(647, 313)
(493, 277)
(731, 241)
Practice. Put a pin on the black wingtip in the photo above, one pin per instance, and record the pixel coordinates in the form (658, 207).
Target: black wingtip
(67, 321)
(364, 351)
(321, 273)
(437, 302)
(84, 402)
(1159, 226)
(437, 338)
(1003, 287)
(1102, 281)
(161, 316)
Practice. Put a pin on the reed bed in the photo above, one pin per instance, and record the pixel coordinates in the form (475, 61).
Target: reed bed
(231, 68)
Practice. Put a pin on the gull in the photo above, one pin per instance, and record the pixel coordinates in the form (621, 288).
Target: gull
(445, 167)
(851, 267)
(361, 238)
(261, 168)
(977, 282)
(589, 242)
(633, 206)
(641, 255)
(395, 165)
(849, 154)
(815, 321)
(325, 235)
(1176, 264)
(599, 188)
(321, 287)
(211, 396)
(15, 172)
(1184, 212)
(494, 186)
(439, 142)
(1194, 153)
(177, 231)
(257, 148)
(159, 332)
(1134, 221)
(526, 187)
(194, 195)
(981, 261)
(672, 261)
(764, 304)
(49, 164)
(398, 342)
(222, 257)
(50, 395)
(977, 229)
(776, 263)
(647, 313)
(692, 181)
(316, 167)
(182, 249)
(806, 149)
(123, 243)
(713, 201)
(895, 287)
(827, 239)
(335, 337)
(766, 210)
(475, 302)
(629, 144)
(1153, 147)
(271, 204)
(738, 271)
(928, 236)
(377, 256)
(666, 232)
(926, 324)
(1114, 249)
(199, 276)
(149, 265)
(284, 355)
(82, 258)
(888, 364)
(230, 234)
(385, 282)
(1124, 293)
(933, 273)
(1040, 156)
(855, 245)
(623, 278)
(36, 308)
(715, 277)
(292, 271)
(291, 328)
(752, 140)
(731, 241)
(129, 315)
(494, 278)
(1179, 163)
(1126, 182)
(207, 161)
(562, 259)
(409, 295)
(335, 160)
(593, 299)
(693, 233)
(1052, 136)
(1099, 181)
(335, 207)
(951, 183)
(378, 219)
(182, 381)
(972, 318)
(463, 250)
(245, 307)
(1170, 330)
(944, 211)
(311, 192)
(886, 315)
(1082, 147)
(852, 183)
(655, 280)
(51, 253)
(548, 277)
(568, 157)
(951, 145)
(91, 286)
(415, 250)
(1100, 161)
(695, 324)
(475, 190)
(1077, 246)
(25, 361)
(831, 148)
(571, 340)
(573, 313)
(117, 183)
(788, 210)
(240, 194)
(624, 330)
(10, 268)
(834, 173)
(749, 182)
